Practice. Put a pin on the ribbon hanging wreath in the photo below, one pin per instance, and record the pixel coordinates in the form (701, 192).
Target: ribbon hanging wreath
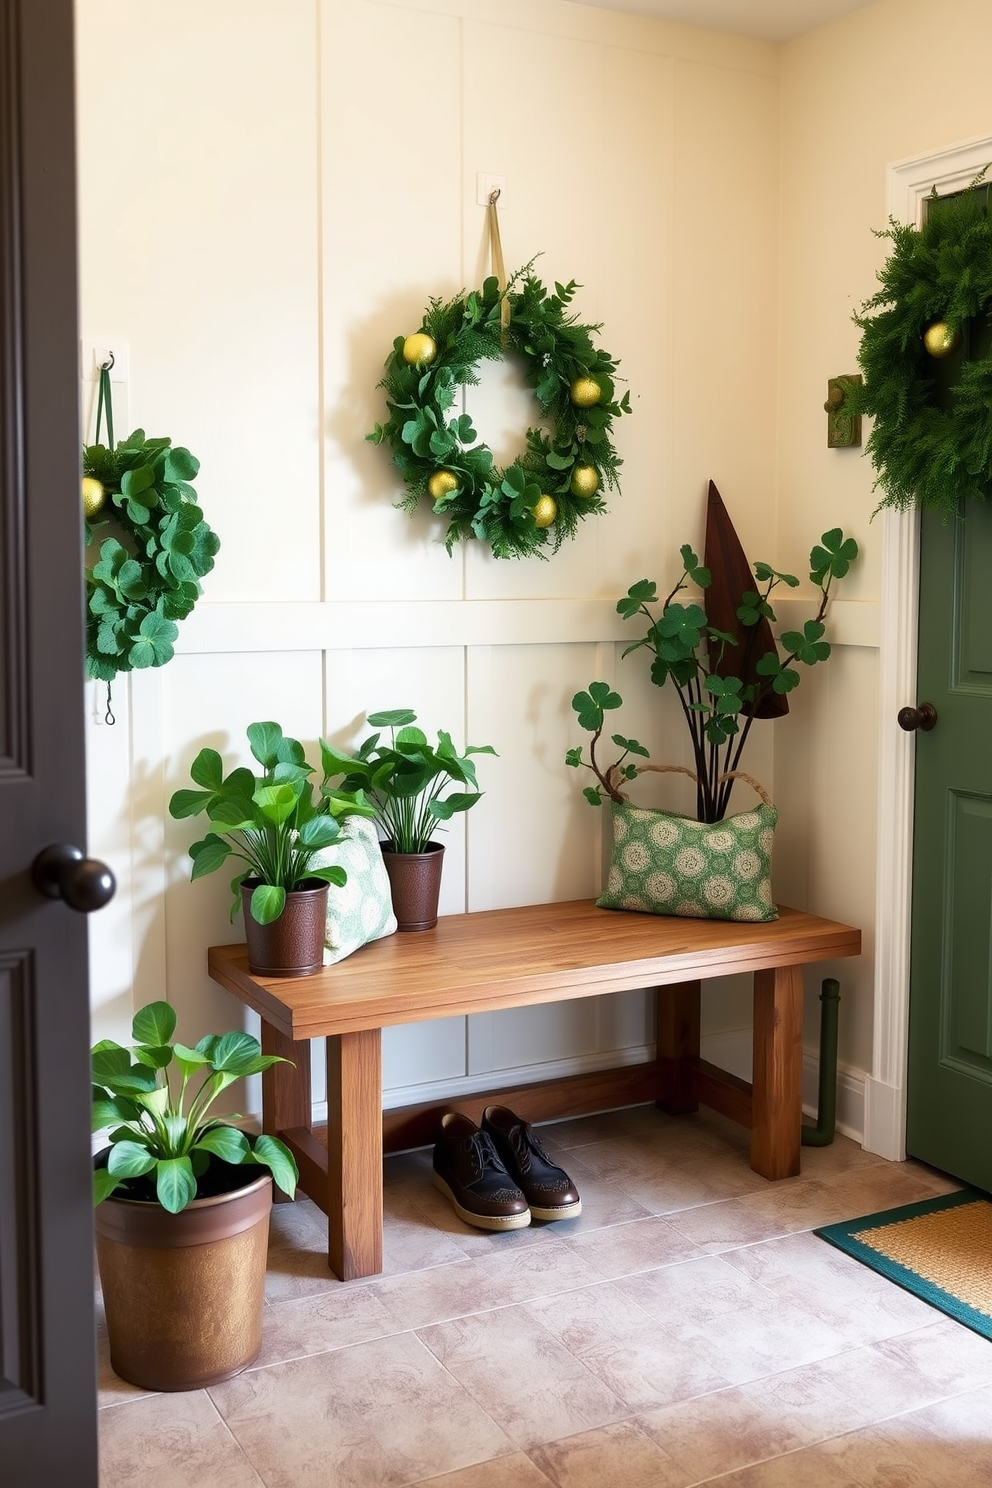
(537, 500)
(145, 576)
(936, 289)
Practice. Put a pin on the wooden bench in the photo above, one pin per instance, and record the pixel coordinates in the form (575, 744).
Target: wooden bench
(505, 958)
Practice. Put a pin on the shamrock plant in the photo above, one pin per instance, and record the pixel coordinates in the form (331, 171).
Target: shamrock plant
(719, 707)
(404, 778)
(156, 1097)
(270, 823)
(137, 589)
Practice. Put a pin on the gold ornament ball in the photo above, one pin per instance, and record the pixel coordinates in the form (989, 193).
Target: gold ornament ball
(93, 495)
(940, 340)
(585, 392)
(419, 350)
(545, 510)
(585, 481)
(441, 483)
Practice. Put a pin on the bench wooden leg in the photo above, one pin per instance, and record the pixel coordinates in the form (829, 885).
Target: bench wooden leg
(678, 1047)
(778, 1068)
(354, 1154)
(286, 1098)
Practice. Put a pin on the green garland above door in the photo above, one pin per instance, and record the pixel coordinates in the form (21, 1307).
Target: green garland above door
(936, 287)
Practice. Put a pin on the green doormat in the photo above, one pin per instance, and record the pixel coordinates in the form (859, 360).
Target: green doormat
(940, 1249)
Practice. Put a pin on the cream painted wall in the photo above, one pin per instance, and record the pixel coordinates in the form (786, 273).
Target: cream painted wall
(270, 191)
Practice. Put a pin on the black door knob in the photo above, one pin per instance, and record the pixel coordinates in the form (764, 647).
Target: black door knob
(62, 872)
(922, 717)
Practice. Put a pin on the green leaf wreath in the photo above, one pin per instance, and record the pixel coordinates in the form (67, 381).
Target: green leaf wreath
(930, 451)
(145, 575)
(540, 498)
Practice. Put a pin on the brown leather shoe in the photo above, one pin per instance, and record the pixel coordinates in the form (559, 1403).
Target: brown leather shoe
(549, 1191)
(469, 1170)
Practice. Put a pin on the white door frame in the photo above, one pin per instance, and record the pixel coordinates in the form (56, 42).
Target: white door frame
(909, 182)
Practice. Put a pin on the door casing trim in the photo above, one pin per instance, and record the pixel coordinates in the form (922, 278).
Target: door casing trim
(908, 184)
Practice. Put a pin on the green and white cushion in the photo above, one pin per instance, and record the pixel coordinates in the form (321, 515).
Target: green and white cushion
(674, 865)
(363, 909)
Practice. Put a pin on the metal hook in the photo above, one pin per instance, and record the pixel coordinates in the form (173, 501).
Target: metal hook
(494, 196)
(109, 715)
(106, 366)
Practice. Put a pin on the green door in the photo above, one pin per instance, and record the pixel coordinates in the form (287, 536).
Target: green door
(950, 1026)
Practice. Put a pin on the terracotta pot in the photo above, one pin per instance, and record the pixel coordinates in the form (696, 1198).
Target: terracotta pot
(292, 945)
(184, 1292)
(415, 882)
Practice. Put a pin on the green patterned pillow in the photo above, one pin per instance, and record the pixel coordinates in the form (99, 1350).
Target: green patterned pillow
(363, 909)
(675, 865)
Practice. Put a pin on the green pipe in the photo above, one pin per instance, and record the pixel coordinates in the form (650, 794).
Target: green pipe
(822, 1134)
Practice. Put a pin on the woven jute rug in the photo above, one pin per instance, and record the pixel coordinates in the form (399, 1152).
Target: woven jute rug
(940, 1249)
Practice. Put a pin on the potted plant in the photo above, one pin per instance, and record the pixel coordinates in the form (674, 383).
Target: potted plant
(403, 780)
(715, 866)
(718, 706)
(182, 1204)
(273, 825)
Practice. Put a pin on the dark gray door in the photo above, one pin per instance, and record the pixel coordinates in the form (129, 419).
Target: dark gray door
(47, 1370)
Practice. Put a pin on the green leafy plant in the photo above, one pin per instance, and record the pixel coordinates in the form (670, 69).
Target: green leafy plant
(403, 779)
(146, 573)
(271, 822)
(931, 439)
(686, 650)
(156, 1097)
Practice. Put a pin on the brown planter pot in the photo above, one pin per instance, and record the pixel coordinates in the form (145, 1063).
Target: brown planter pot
(415, 882)
(184, 1292)
(292, 945)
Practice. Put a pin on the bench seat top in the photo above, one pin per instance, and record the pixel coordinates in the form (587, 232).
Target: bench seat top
(535, 953)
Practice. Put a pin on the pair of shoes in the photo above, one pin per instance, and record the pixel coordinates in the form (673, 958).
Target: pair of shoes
(549, 1191)
(498, 1176)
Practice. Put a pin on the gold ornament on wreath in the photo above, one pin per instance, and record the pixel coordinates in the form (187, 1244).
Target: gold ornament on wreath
(533, 504)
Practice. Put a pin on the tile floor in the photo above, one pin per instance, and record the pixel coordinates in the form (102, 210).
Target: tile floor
(686, 1329)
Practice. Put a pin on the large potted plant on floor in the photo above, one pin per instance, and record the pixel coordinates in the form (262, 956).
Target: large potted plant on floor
(275, 827)
(182, 1205)
(403, 778)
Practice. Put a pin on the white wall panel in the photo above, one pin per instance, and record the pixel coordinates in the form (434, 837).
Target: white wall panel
(198, 223)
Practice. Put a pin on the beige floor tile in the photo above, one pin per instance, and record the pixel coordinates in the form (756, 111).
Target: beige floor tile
(552, 1266)
(811, 1467)
(173, 1441)
(383, 1413)
(733, 1428)
(522, 1377)
(697, 1291)
(854, 1299)
(723, 1225)
(438, 1294)
(515, 1471)
(950, 1357)
(581, 1131)
(348, 1314)
(618, 1456)
(893, 1452)
(877, 1384)
(639, 1245)
(642, 1363)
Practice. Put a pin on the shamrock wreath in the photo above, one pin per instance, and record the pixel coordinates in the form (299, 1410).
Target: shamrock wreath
(137, 589)
(539, 499)
(936, 290)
